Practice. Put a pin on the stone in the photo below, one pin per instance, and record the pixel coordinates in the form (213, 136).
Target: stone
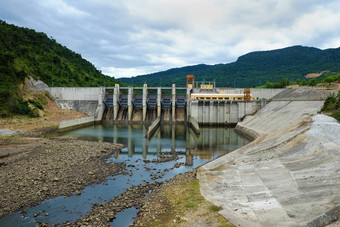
(45, 188)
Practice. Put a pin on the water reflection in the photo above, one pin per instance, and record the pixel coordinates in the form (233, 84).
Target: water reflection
(194, 150)
(209, 144)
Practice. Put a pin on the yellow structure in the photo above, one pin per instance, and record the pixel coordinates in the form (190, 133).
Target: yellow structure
(207, 86)
(190, 81)
(220, 97)
(247, 95)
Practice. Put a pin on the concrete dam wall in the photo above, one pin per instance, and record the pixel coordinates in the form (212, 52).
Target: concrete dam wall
(145, 104)
(216, 112)
(88, 100)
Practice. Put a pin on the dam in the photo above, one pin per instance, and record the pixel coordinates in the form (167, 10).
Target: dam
(175, 105)
(293, 149)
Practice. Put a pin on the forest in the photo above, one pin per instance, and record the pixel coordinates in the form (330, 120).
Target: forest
(252, 69)
(25, 52)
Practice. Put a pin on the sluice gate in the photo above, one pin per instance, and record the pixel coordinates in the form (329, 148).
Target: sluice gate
(177, 104)
(144, 105)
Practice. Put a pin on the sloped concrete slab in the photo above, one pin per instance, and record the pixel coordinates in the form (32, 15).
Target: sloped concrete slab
(289, 176)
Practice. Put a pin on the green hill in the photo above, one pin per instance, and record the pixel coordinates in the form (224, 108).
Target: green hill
(252, 69)
(25, 52)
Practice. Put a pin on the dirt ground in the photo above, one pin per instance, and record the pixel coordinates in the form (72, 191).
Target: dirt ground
(46, 168)
(48, 121)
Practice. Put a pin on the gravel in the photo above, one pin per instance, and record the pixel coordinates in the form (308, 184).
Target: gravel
(52, 167)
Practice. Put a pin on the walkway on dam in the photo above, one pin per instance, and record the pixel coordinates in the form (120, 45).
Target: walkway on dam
(288, 176)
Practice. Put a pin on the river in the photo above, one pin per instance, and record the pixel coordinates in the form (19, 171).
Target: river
(193, 151)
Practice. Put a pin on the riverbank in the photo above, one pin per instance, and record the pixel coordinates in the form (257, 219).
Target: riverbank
(34, 169)
(287, 176)
(174, 202)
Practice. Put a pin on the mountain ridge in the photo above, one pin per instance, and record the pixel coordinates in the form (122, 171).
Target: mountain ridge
(251, 69)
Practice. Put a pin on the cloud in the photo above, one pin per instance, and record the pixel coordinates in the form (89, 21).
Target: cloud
(133, 37)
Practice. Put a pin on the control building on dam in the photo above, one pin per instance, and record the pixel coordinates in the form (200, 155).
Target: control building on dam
(200, 102)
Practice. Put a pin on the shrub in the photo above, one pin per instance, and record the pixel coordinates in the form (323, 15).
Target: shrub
(49, 96)
(36, 103)
(329, 103)
(42, 99)
(22, 107)
(34, 113)
(336, 115)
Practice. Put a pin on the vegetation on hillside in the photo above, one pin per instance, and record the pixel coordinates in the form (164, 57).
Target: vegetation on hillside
(25, 52)
(332, 106)
(325, 80)
(252, 69)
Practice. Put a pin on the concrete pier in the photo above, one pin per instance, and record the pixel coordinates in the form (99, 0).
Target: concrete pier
(116, 95)
(130, 107)
(145, 95)
(173, 102)
(159, 98)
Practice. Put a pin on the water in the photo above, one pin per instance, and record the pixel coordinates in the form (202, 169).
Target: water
(211, 143)
(125, 218)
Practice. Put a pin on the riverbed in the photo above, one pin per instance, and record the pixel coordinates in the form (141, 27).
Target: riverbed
(172, 150)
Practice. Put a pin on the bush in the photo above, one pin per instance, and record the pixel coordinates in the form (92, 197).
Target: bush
(36, 103)
(22, 107)
(4, 113)
(42, 99)
(48, 96)
(336, 115)
(329, 103)
(34, 113)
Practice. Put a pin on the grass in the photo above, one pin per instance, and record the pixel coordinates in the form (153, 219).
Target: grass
(185, 205)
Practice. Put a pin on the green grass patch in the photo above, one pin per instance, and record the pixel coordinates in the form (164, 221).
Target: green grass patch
(214, 208)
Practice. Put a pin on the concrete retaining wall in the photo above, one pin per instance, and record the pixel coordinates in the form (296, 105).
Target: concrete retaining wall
(88, 100)
(152, 128)
(215, 112)
(75, 123)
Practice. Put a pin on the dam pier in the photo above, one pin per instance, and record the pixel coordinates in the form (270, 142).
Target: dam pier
(204, 104)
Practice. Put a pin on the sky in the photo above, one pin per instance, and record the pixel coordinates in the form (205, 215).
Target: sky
(125, 38)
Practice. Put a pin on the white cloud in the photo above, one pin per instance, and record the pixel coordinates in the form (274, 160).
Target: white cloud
(132, 37)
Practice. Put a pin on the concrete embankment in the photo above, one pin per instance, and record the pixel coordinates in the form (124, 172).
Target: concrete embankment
(76, 123)
(288, 176)
(194, 125)
(152, 128)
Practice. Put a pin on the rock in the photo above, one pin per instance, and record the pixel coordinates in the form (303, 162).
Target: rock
(55, 179)
(45, 188)
(78, 192)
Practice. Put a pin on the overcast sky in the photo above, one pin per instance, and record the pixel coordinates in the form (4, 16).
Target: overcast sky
(126, 38)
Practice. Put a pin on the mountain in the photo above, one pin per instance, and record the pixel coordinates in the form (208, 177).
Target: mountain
(25, 52)
(251, 69)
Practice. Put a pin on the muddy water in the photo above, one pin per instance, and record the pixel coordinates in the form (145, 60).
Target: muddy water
(193, 151)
